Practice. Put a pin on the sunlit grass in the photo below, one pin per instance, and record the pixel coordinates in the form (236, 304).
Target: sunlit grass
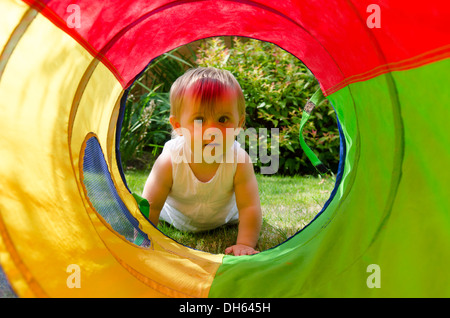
(288, 204)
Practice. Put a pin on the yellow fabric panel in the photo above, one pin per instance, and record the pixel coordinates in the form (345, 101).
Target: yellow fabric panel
(96, 111)
(17, 10)
(8, 22)
(164, 271)
(40, 201)
(34, 183)
(46, 222)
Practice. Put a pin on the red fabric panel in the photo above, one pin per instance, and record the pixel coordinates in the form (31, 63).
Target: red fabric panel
(331, 37)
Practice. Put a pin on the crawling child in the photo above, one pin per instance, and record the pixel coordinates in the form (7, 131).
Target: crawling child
(203, 178)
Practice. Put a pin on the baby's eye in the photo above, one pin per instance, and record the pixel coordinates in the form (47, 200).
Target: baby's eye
(223, 119)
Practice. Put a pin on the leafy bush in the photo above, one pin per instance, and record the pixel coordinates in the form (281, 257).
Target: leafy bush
(276, 86)
(165, 69)
(145, 126)
(144, 129)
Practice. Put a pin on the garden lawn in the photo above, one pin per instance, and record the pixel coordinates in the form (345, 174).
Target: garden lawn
(287, 203)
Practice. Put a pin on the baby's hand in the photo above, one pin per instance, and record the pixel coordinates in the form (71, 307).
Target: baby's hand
(240, 249)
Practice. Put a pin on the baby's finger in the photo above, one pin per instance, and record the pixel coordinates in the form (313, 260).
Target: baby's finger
(248, 251)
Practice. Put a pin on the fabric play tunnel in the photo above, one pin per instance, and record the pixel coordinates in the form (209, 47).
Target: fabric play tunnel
(65, 69)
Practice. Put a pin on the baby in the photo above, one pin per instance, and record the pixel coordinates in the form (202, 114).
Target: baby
(203, 178)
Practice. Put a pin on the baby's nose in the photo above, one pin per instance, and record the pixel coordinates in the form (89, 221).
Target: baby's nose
(211, 131)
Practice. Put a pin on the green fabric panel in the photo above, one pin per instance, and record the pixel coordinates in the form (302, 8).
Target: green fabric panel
(315, 100)
(391, 208)
(309, 153)
(317, 97)
(143, 204)
(144, 207)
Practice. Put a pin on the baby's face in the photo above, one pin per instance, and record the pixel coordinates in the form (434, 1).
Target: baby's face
(215, 131)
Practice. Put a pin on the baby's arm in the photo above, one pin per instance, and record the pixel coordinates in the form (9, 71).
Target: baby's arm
(158, 185)
(248, 204)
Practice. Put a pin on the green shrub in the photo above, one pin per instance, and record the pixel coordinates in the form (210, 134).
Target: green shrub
(276, 86)
(145, 128)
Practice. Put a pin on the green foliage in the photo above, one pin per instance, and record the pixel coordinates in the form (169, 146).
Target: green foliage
(168, 67)
(276, 86)
(145, 127)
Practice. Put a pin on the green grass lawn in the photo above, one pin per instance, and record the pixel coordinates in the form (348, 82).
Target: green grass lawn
(288, 204)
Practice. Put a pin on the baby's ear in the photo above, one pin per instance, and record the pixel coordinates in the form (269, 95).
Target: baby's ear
(175, 124)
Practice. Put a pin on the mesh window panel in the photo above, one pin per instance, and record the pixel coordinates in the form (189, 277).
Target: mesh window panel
(5, 288)
(104, 197)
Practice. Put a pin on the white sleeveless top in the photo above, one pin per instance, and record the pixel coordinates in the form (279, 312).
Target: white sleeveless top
(193, 205)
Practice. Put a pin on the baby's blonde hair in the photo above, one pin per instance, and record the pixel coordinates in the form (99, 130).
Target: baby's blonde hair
(205, 85)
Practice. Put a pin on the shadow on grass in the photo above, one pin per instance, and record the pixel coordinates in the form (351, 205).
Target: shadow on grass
(213, 241)
(217, 240)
